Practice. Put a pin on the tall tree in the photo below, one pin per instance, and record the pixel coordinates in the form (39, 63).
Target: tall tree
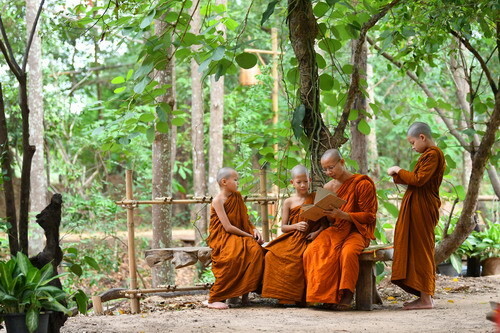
(162, 161)
(198, 213)
(359, 140)
(38, 186)
(216, 146)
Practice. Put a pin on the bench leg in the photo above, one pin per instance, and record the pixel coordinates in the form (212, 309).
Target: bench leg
(364, 286)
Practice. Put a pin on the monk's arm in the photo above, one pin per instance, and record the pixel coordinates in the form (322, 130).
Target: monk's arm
(367, 202)
(226, 224)
(285, 216)
(422, 175)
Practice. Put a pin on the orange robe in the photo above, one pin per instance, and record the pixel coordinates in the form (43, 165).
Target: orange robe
(331, 261)
(237, 262)
(413, 267)
(284, 272)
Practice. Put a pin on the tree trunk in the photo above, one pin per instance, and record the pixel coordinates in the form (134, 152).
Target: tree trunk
(466, 223)
(7, 175)
(373, 160)
(216, 146)
(303, 31)
(359, 141)
(38, 184)
(198, 213)
(162, 170)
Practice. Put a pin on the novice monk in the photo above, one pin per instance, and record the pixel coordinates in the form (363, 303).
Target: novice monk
(237, 257)
(413, 267)
(331, 263)
(284, 272)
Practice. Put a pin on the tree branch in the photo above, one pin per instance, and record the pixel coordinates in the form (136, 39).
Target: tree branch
(31, 36)
(476, 54)
(429, 94)
(7, 51)
(354, 86)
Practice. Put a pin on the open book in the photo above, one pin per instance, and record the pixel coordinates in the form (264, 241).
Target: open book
(324, 200)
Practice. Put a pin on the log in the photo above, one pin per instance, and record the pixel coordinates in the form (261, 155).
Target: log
(180, 256)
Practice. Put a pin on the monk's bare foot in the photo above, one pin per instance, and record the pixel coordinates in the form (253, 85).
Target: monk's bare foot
(419, 304)
(346, 300)
(244, 300)
(216, 305)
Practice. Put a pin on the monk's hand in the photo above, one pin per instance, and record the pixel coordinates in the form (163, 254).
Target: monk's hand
(258, 237)
(393, 170)
(335, 213)
(312, 235)
(301, 226)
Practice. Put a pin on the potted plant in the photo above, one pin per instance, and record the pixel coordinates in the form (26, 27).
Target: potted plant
(485, 245)
(25, 292)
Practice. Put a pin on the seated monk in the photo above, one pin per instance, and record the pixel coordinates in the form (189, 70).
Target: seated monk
(237, 257)
(284, 272)
(331, 263)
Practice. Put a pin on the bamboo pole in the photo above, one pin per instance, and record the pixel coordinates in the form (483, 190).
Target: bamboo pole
(132, 292)
(264, 215)
(171, 201)
(134, 301)
(97, 305)
(260, 51)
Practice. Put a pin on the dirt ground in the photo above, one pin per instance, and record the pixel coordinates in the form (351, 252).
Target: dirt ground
(462, 304)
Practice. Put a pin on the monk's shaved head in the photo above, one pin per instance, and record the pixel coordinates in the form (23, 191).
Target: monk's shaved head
(331, 154)
(418, 128)
(225, 173)
(299, 170)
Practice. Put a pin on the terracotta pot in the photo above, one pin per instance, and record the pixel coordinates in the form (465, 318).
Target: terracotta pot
(491, 266)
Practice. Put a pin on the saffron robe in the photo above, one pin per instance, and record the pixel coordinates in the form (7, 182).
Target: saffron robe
(331, 261)
(284, 271)
(413, 267)
(237, 262)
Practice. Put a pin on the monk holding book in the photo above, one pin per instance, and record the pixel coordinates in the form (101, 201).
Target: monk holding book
(237, 256)
(331, 263)
(284, 272)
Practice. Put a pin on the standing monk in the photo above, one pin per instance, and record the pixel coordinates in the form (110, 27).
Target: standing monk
(331, 261)
(237, 257)
(414, 268)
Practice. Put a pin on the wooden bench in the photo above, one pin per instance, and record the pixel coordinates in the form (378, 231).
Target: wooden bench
(366, 291)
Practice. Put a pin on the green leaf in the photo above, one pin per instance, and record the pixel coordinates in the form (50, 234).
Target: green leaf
(431, 103)
(320, 9)
(219, 53)
(297, 118)
(77, 269)
(119, 90)
(330, 45)
(139, 88)
(118, 80)
(450, 162)
(392, 209)
(147, 117)
(129, 74)
(178, 121)
(325, 81)
(150, 134)
(347, 68)
(363, 127)
(320, 61)
(171, 17)
(329, 99)
(351, 163)
(246, 60)
(353, 115)
(145, 69)
(32, 319)
(147, 20)
(92, 262)
(456, 262)
(269, 11)
(81, 300)
(162, 127)
(293, 76)
(460, 192)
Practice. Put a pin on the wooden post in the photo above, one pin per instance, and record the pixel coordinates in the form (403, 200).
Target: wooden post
(274, 73)
(364, 292)
(264, 215)
(97, 305)
(134, 301)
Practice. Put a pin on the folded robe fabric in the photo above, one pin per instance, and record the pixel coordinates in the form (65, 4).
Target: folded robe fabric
(413, 267)
(237, 262)
(331, 261)
(284, 272)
